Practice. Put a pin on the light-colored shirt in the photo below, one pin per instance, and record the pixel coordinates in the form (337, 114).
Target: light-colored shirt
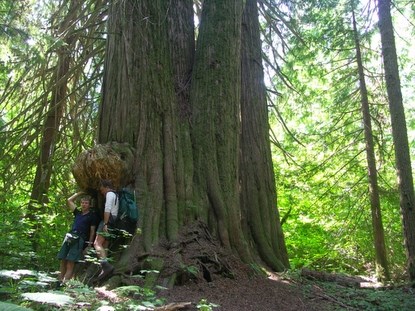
(111, 203)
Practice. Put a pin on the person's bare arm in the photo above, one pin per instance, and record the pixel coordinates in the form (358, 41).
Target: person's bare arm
(91, 235)
(106, 220)
(70, 202)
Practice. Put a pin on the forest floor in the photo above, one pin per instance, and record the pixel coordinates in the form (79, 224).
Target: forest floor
(207, 278)
(250, 293)
(285, 293)
(279, 292)
(301, 290)
(221, 282)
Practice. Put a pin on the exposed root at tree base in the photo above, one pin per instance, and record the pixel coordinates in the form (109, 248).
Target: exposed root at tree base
(195, 257)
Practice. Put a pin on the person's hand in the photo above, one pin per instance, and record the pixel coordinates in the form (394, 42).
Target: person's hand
(105, 228)
(86, 250)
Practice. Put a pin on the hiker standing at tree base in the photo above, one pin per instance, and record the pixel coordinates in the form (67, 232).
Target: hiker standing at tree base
(82, 231)
(104, 229)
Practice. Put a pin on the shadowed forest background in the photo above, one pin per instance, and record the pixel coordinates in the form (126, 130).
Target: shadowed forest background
(68, 83)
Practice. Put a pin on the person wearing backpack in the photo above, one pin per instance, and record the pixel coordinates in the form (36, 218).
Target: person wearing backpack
(128, 213)
(105, 230)
(82, 234)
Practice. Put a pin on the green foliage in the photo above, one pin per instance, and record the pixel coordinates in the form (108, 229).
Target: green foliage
(191, 271)
(30, 42)
(5, 306)
(204, 305)
(367, 299)
(37, 291)
(15, 230)
(54, 299)
(144, 297)
(319, 152)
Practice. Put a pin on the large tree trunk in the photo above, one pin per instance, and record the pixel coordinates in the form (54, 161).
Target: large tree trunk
(399, 132)
(215, 98)
(182, 48)
(140, 107)
(382, 269)
(179, 107)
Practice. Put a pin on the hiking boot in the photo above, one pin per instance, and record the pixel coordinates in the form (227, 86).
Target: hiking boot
(58, 285)
(107, 270)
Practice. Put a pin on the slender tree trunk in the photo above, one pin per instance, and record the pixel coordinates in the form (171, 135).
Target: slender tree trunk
(382, 269)
(258, 191)
(399, 132)
(55, 108)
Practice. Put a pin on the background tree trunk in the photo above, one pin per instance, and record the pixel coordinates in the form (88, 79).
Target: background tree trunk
(382, 269)
(399, 132)
(55, 104)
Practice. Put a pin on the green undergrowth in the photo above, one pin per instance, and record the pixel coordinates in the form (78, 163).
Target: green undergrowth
(380, 299)
(371, 298)
(33, 290)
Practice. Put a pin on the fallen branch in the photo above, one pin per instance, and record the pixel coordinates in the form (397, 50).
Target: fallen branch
(174, 306)
(349, 281)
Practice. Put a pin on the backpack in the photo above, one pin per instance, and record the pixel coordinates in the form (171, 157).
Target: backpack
(127, 210)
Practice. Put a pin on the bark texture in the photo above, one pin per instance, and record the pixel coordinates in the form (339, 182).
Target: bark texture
(258, 191)
(215, 98)
(399, 132)
(139, 107)
(179, 107)
(382, 269)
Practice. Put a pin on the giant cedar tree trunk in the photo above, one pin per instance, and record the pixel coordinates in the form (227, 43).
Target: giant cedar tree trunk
(181, 113)
(139, 107)
(399, 132)
(182, 47)
(215, 99)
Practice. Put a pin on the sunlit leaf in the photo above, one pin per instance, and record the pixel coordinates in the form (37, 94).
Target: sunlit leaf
(49, 298)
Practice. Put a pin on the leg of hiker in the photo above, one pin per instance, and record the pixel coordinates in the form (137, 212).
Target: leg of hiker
(100, 245)
(62, 270)
(69, 271)
(104, 232)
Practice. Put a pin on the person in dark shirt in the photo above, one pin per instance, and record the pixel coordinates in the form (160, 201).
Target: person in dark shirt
(82, 233)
